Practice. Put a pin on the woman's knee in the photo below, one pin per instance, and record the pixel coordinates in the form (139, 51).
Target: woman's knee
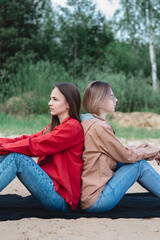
(13, 155)
(144, 164)
(7, 158)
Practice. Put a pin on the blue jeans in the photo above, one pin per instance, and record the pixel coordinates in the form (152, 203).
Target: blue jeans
(34, 179)
(123, 179)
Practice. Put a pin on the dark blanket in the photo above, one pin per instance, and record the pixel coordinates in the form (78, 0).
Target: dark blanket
(133, 205)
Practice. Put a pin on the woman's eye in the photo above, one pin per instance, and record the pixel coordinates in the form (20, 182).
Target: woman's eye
(54, 99)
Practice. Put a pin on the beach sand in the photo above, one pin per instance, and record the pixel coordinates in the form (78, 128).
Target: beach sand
(82, 228)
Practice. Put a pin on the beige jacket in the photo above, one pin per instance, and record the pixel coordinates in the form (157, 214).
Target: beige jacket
(102, 151)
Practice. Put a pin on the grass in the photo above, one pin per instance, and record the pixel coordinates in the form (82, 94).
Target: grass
(22, 125)
(135, 133)
(34, 123)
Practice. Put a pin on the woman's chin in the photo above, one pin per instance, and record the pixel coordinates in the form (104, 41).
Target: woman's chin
(53, 114)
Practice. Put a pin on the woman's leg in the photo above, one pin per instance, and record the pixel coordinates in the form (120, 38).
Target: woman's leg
(34, 178)
(122, 180)
(2, 158)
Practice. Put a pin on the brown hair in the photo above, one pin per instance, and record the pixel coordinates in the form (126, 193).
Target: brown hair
(72, 96)
(94, 94)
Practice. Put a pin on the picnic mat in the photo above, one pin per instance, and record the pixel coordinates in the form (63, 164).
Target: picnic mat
(132, 205)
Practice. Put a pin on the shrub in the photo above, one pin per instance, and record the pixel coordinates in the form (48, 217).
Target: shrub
(32, 86)
(132, 92)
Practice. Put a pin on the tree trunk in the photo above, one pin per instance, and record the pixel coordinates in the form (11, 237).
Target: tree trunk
(75, 49)
(152, 51)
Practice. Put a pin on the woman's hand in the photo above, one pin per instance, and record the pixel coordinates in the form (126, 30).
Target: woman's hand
(158, 161)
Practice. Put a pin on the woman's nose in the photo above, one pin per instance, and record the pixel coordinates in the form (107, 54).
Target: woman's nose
(49, 103)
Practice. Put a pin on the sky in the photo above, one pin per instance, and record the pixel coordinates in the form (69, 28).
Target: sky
(104, 6)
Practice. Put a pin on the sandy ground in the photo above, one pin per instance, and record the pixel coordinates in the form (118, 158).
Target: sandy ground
(82, 228)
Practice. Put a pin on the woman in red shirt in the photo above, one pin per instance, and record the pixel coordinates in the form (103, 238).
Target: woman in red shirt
(55, 181)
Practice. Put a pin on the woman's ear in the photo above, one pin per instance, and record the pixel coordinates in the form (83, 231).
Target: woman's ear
(67, 105)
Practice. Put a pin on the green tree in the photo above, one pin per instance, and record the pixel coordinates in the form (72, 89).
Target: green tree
(83, 35)
(20, 22)
(124, 56)
(26, 34)
(140, 19)
(46, 44)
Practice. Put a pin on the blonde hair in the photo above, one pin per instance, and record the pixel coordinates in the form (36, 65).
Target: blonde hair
(94, 94)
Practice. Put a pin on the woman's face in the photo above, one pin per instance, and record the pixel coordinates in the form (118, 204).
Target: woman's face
(109, 103)
(58, 105)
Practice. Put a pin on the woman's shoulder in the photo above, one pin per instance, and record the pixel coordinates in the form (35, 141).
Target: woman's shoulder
(73, 121)
(74, 127)
(73, 124)
(71, 127)
(96, 126)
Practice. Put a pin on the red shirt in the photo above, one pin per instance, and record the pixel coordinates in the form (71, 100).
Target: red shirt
(59, 153)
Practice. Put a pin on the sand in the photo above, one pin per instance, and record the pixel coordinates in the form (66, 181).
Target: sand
(137, 119)
(82, 228)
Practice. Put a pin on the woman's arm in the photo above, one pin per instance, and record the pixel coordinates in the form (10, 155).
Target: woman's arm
(111, 146)
(53, 142)
(13, 140)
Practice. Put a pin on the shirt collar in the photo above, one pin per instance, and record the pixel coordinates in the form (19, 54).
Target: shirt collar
(65, 120)
(96, 116)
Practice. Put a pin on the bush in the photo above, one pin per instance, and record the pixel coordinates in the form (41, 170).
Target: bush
(132, 92)
(31, 87)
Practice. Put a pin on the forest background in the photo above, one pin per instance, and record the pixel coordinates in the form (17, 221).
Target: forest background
(42, 45)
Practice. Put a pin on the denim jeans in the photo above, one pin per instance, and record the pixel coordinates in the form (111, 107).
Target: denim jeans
(34, 179)
(125, 176)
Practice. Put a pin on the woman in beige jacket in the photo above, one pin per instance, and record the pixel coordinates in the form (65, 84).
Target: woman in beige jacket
(110, 168)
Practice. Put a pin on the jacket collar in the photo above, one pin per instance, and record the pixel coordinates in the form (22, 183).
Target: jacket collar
(96, 116)
(87, 116)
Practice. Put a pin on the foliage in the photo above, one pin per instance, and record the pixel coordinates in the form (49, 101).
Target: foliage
(140, 20)
(34, 83)
(83, 35)
(128, 58)
(133, 92)
(133, 18)
(23, 36)
(19, 26)
(41, 46)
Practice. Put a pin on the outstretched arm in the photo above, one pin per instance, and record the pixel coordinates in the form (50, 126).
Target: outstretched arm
(53, 142)
(16, 139)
